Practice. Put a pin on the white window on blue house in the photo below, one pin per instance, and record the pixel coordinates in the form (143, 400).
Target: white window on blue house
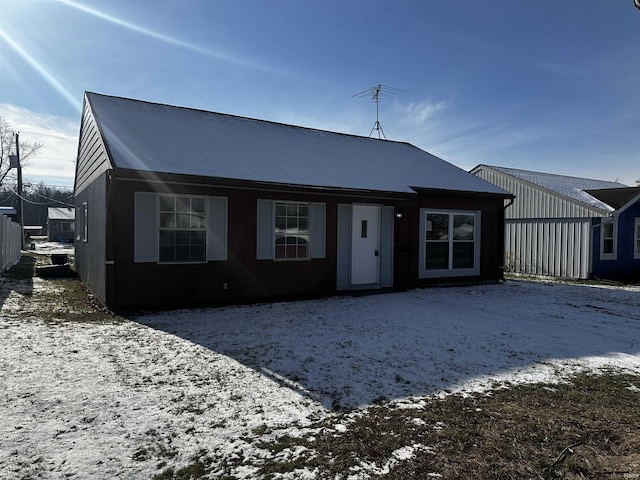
(179, 228)
(608, 239)
(636, 239)
(450, 243)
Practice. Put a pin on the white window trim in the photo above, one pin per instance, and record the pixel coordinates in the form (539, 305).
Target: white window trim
(205, 229)
(451, 272)
(636, 239)
(85, 222)
(274, 233)
(613, 255)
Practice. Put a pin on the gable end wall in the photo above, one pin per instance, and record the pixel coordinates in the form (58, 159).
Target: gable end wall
(92, 155)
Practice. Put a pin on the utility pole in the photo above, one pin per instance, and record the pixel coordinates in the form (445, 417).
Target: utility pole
(20, 201)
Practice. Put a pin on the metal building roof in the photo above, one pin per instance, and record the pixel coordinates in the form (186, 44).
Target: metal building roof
(575, 188)
(61, 213)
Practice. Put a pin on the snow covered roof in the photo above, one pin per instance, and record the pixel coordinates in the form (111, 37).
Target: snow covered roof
(572, 187)
(161, 138)
(61, 213)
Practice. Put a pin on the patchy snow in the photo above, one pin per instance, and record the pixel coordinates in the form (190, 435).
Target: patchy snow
(129, 399)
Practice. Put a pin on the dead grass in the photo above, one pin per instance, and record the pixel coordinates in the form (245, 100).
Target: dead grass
(26, 296)
(587, 428)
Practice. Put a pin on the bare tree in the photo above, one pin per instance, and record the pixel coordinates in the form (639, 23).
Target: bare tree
(7, 146)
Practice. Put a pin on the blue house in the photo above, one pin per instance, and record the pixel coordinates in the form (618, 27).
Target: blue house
(617, 237)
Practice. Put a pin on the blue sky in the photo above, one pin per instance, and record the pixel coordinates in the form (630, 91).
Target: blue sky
(547, 85)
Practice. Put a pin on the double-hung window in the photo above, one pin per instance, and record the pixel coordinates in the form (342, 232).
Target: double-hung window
(608, 239)
(291, 232)
(182, 229)
(179, 228)
(450, 243)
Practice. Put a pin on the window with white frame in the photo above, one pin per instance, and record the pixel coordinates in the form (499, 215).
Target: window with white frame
(291, 232)
(608, 239)
(636, 239)
(451, 243)
(182, 229)
(82, 219)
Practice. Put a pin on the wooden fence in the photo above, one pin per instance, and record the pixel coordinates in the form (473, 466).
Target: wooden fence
(10, 242)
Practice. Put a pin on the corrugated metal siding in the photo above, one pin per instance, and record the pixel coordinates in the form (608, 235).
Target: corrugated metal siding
(92, 154)
(545, 233)
(90, 256)
(549, 247)
(535, 202)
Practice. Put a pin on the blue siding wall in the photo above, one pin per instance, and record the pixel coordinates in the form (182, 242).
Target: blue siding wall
(624, 268)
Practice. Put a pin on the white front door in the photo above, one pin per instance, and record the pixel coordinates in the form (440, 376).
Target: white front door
(365, 245)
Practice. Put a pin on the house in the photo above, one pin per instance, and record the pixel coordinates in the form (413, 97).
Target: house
(9, 212)
(177, 206)
(60, 224)
(569, 227)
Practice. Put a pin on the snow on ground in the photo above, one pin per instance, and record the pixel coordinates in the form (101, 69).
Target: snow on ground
(128, 399)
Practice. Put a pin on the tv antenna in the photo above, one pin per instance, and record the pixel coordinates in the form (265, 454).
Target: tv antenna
(375, 93)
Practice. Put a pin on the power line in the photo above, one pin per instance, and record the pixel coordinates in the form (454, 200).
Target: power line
(39, 203)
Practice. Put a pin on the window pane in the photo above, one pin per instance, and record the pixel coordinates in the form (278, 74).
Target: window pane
(198, 220)
(303, 211)
(303, 224)
(437, 256)
(292, 223)
(463, 226)
(607, 229)
(281, 224)
(183, 220)
(437, 226)
(607, 246)
(197, 205)
(167, 204)
(302, 251)
(463, 255)
(183, 204)
(292, 209)
(280, 251)
(281, 209)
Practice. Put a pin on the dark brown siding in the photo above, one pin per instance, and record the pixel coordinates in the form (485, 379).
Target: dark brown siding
(154, 285)
(247, 279)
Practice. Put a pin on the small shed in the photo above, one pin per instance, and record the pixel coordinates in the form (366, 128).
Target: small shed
(9, 212)
(568, 227)
(61, 224)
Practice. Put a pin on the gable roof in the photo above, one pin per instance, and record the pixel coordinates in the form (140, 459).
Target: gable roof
(575, 188)
(617, 198)
(162, 138)
(61, 213)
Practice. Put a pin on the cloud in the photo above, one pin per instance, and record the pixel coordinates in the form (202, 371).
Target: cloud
(59, 137)
(417, 114)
